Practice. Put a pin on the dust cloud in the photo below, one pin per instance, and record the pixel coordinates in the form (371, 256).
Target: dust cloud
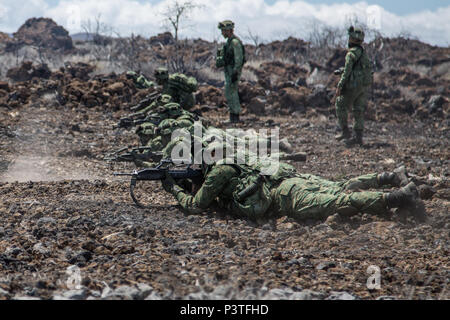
(34, 168)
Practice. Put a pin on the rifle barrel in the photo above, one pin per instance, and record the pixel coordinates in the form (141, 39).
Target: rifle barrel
(124, 174)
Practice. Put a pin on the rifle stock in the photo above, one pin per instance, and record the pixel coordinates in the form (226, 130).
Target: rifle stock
(146, 101)
(127, 122)
(134, 154)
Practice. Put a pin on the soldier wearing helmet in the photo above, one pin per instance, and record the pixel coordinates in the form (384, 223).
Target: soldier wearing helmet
(356, 77)
(161, 76)
(179, 86)
(232, 58)
(139, 80)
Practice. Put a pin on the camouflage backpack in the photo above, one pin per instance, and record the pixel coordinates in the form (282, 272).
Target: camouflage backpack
(252, 197)
(145, 132)
(228, 55)
(179, 81)
(170, 110)
(168, 126)
(362, 73)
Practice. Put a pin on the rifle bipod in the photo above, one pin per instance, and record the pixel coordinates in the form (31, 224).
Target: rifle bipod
(194, 176)
(135, 200)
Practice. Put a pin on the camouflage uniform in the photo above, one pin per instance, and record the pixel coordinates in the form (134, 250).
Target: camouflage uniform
(232, 58)
(310, 197)
(140, 81)
(177, 85)
(182, 88)
(249, 144)
(165, 129)
(161, 101)
(286, 193)
(160, 136)
(353, 87)
(170, 110)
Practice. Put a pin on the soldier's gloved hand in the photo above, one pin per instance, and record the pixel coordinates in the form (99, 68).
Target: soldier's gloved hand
(132, 75)
(234, 76)
(168, 183)
(339, 71)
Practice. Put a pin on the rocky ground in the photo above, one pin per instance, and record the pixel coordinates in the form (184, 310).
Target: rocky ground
(61, 207)
(69, 229)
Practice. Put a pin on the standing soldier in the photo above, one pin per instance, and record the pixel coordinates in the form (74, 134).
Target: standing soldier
(232, 58)
(353, 87)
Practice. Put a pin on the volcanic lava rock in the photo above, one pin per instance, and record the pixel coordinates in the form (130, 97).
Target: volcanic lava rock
(26, 71)
(162, 38)
(45, 33)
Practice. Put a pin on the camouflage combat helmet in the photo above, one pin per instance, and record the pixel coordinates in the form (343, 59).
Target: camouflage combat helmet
(226, 25)
(161, 73)
(165, 99)
(131, 75)
(169, 110)
(356, 35)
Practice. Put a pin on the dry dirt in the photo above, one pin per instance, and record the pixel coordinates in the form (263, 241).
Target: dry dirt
(69, 229)
(61, 207)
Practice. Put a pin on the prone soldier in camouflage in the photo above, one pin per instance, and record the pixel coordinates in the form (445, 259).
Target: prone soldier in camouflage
(177, 85)
(232, 58)
(156, 136)
(352, 90)
(171, 111)
(244, 192)
(139, 80)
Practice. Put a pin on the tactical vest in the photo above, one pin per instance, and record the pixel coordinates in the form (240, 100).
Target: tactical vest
(181, 82)
(228, 54)
(145, 132)
(251, 196)
(362, 73)
(170, 110)
(168, 126)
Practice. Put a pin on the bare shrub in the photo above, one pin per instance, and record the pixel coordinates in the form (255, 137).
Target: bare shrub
(408, 93)
(249, 75)
(176, 15)
(207, 73)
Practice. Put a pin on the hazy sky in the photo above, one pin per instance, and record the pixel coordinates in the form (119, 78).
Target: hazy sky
(269, 19)
(394, 6)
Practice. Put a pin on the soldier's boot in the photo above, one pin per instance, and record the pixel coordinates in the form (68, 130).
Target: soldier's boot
(402, 175)
(285, 146)
(344, 135)
(397, 178)
(406, 196)
(357, 139)
(231, 120)
(234, 118)
(299, 156)
(144, 164)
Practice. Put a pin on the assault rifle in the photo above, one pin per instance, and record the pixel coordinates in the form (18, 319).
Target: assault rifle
(339, 71)
(128, 122)
(146, 101)
(136, 153)
(159, 173)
